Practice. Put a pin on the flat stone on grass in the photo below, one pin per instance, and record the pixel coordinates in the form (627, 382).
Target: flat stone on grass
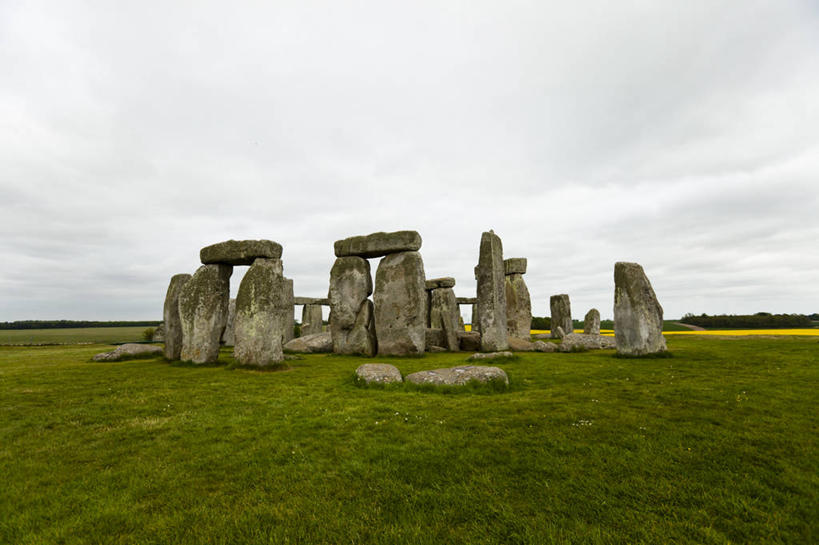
(129, 351)
(483, 356)
(459, 376)
(378, 373)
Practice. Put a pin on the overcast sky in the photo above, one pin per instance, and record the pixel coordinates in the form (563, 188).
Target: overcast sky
(680, 135)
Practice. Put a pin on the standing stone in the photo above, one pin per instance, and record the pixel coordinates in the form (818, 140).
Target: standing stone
(444, 315)
(591, 323)
(561, 310)
(638, 316)
(170, 314)
(203, 311)
(351, 317)
(310, 320)
(290, 331)
(492, 294)
(262, 309)
(476, 323)
(518, 307)
(400, 304)
(227, 336)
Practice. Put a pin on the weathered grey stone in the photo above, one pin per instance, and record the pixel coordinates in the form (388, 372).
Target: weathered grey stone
(591, 322)
(469, 341)
(311, 320)
(400, 304)
(481, 356)
(437, 349)
(203, 309)
(444, 314)
(541, 346)
(311, 344)
(518, 306)
(227, 335)
(638, 316)
(461, 324)
(378, 373)
(561, 314)
(434, 336)
(350, 285)
(311, 301)
(240, 252)
(521, 345)
(515, 265)
(435, 283)
(459, 376)
(574, 342)
(170, 315)
(128, 351)
(159, 332)
(263, 314)
(378, 244)
(467, 300)
(476, 323)
(491, 294)
(289, 331)
(559, 333)
(542, 336)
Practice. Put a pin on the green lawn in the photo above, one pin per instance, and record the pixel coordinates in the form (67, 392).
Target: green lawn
(715, 445)
(72, 335)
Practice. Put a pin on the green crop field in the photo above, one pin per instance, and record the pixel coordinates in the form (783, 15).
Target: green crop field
(72, 335)
(718, 444)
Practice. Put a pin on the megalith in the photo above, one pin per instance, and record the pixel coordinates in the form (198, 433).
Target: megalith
(227, 336)
(638, 316)
(311, 320)
(518, 301)
(351, 317)
(561, 310)
(203, 310)
(591, 322)
(263, 314)
(491, 294)
(400, 304)
(170, 314)
(445, 314)
(378, 244)
(289, 331)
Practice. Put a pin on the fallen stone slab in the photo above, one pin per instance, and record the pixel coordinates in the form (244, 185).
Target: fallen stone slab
(490, 355)
(541, 346)
(574, 342)
(469, 341)
(542, 336)
(515, 265)
(459, 376)
(128, 351)
(467, 300)
(240, 252)
(378, 373)
(311, 344)
(324, 301)
(444, 282)
(521, 345)
(378, 244)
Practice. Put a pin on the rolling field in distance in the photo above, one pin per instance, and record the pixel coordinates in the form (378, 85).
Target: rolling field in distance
(101, 335)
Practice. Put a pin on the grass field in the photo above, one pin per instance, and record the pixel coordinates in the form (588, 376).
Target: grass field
(72, 335)
(718, 444)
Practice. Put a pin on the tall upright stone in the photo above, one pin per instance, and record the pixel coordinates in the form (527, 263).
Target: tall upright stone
(638, 316)
(351, 318)
(203, 311)
(170, 314)
(476, 323)
(400, 304)
(227, 336)
(591, 322)
(492, 294)
(311, 320)
(290, 331)
(518, 301)
(263, 314)
(445, 315)
(561, 310)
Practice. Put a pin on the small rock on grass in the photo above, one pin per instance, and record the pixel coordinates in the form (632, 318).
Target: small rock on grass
(130, 350)
(459, 376)
(490, 356)
(541, 346)
(378, 373)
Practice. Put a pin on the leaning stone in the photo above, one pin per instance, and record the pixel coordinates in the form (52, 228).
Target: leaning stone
(240, 252)
(170, 315)
(350, 285)
(400, 304)
(444, 314)
(490, 355)
(559, 333)
(521, 345)
(203, 310)
(263, 314)
(561, 310)
(227, 336)
(378, 244)
(311, 320)
(311, 344)
(638, 316)
(435, 283)
(491, 294)
(591, 322)
(469, 341)
(459, 376)
(378, 373)
(129, 351)
(574, 342)
(518, 306)
(541, 346)
(515, 265)
(434, 337)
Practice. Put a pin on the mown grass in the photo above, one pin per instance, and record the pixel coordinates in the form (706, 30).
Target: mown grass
(72, 335)
(715, 445)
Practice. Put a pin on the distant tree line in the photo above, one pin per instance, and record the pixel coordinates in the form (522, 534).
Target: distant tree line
(69, 324)
(760, 320)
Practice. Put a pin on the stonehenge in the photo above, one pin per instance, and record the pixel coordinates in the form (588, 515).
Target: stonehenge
(518, 302)
(400, 304)
(490, 274)
(351, 312)
(311, 319)
(203, 312)
(561, 312)
(444, 312)
(170, 315)
(591, 322)
(638, 316)
(227, 335)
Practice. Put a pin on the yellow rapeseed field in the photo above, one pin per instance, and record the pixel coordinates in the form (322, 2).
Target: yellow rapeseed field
(719, 332)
